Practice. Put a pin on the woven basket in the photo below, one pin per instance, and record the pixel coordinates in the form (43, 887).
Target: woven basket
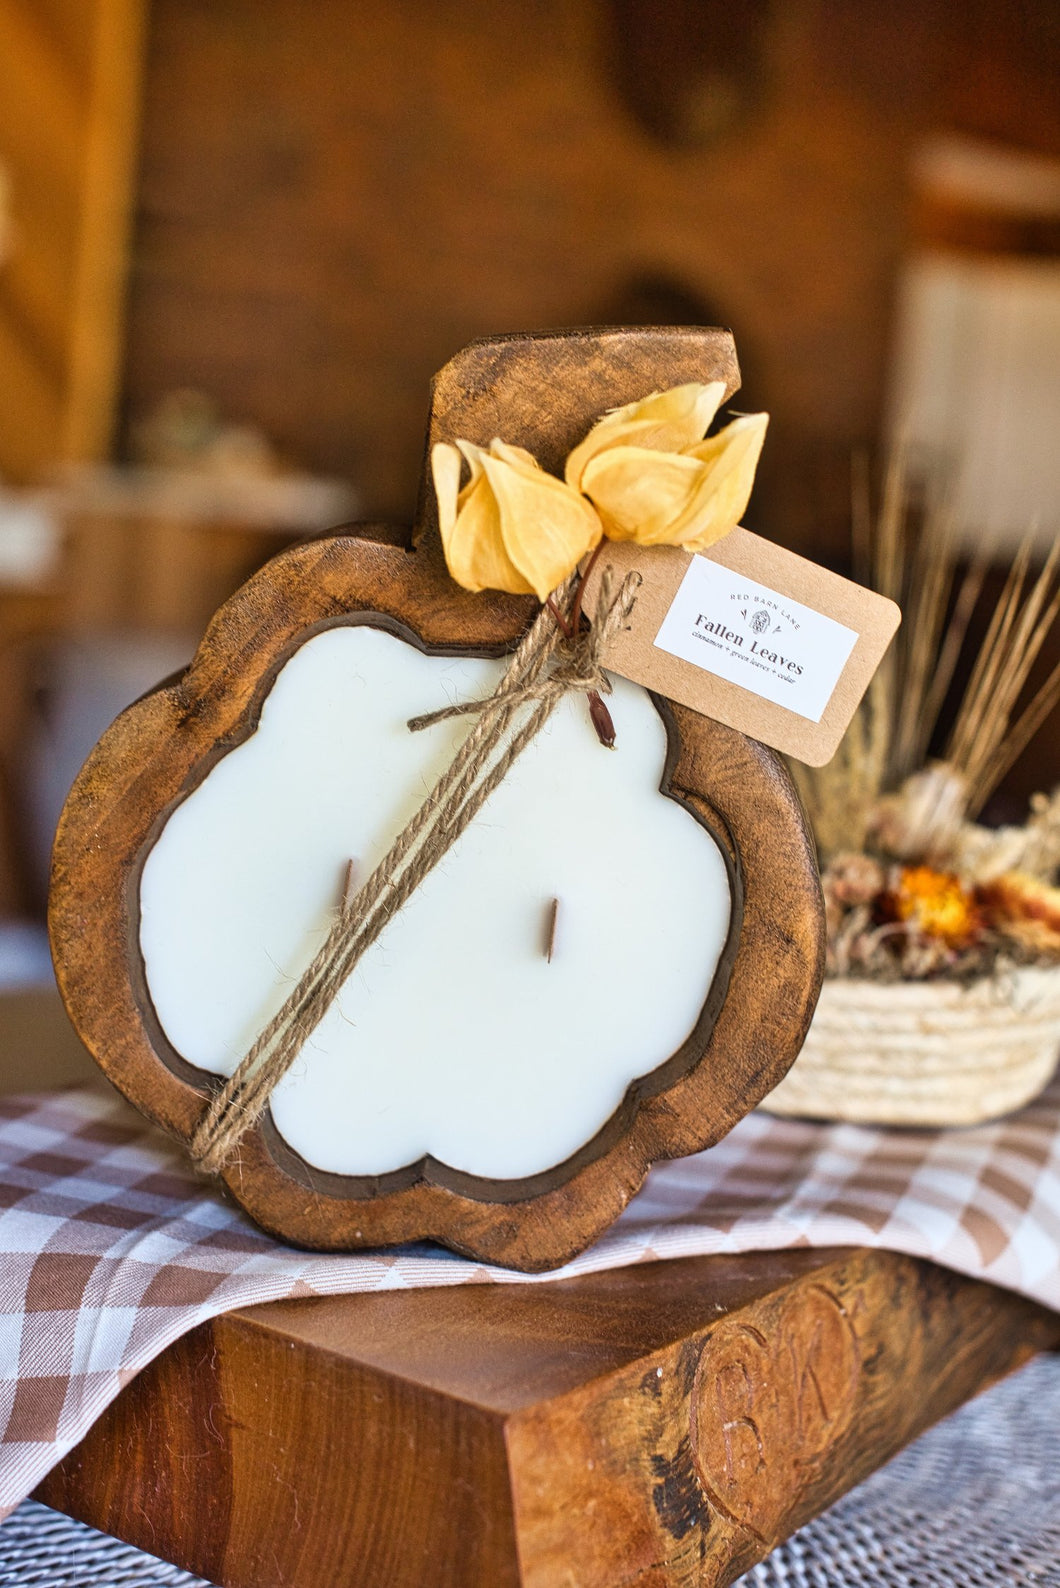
(926, 1053)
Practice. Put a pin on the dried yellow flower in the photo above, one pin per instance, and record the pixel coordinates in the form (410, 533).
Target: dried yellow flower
(653, 477)
(512, 527)
(643, 473)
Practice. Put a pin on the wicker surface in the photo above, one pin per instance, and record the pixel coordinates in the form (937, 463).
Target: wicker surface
(41, 1549)
(975, 1503)
(925, 1053)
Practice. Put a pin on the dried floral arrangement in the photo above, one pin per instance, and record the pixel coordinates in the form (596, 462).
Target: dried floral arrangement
(915, 887)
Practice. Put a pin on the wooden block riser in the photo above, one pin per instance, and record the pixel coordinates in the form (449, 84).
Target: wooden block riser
(660, 1427)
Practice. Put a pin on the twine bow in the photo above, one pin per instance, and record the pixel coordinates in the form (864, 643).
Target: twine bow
(547, 666)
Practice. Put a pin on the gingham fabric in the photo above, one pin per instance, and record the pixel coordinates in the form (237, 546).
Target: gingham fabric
(110, 1248)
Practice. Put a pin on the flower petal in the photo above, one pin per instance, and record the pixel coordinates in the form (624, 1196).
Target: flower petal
(731, 458)
(508, 452)
(639, 494)
(446, 465)
(666, 421)
(546, 527)
(470, 524)
(688, 499)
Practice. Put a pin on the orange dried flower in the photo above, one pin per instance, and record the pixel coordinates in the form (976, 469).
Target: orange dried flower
(1026, 909)
(937, 904)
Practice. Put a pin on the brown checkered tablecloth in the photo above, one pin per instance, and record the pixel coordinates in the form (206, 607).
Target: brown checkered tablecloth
(110, 1248)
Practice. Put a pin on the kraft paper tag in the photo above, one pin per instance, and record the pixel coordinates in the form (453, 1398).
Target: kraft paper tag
(752, 635)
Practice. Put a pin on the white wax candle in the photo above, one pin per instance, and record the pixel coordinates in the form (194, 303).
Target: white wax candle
(455, 1036)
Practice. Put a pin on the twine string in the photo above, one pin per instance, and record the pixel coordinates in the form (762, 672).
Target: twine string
(546, 667)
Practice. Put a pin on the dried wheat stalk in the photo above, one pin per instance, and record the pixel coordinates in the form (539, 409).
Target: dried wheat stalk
(910, 554)
(985, 741)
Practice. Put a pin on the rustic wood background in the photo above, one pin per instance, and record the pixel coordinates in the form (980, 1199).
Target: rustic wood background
(69, 111)
(334, 198)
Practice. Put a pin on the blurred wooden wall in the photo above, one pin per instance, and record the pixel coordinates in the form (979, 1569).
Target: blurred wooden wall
(336, 196)
(70, 72)
(69, 104)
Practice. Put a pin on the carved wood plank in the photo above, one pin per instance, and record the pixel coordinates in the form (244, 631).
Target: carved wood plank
(655, 1427)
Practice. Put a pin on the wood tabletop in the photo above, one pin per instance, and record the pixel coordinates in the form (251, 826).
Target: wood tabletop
(654, 1427)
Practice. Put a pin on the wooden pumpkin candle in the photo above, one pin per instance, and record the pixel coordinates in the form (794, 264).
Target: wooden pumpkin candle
(471, 979)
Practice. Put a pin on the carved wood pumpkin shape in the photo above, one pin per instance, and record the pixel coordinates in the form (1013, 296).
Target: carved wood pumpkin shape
(760, 983)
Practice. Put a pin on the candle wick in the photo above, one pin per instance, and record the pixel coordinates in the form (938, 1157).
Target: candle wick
(551, 917)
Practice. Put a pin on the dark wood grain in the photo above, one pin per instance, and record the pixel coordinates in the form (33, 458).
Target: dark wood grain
(653, 1427)
(162, 747)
